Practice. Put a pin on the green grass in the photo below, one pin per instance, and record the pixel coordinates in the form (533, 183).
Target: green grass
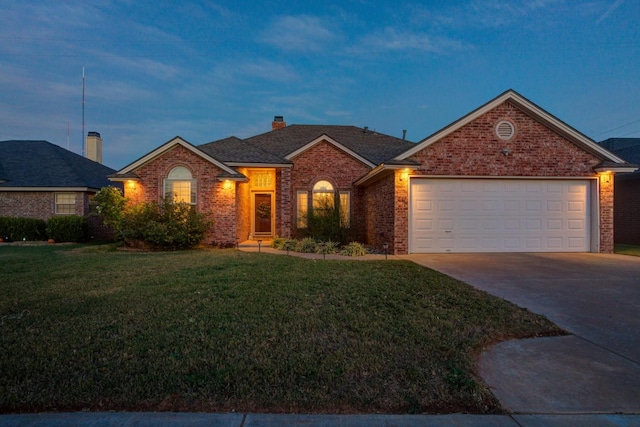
(633, 250)
(91, 328)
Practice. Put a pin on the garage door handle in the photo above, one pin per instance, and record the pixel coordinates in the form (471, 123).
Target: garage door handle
(447, 231)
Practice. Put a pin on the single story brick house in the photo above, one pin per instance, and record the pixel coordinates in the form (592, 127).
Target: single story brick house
(626, 203)
(39, 179)
(506, 177)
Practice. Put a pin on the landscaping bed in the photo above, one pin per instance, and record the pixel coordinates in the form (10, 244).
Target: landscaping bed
(91, 328)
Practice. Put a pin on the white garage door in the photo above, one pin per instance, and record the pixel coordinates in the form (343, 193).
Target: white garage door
(499, 215)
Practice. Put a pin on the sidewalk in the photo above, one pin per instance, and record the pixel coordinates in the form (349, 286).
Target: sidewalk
(167, 419)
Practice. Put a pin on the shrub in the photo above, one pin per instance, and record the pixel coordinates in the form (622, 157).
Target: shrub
(110, 204)
(324, 222)
(307, 245)
(329, 247)
(15, 228)
(354, 249)
(71, 228)
(278, 242)
(168, 226)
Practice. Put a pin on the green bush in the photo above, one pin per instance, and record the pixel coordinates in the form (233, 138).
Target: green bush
(165, 226)
(71, 228)
(307, 245)
(328, 247)
(168, 226)
(324, 222)
(278, 242)
(14, 228)
(110, 205)
(354, 249)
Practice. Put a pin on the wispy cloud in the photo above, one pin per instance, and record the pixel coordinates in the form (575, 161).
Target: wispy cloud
(392, 39)
(299, 33)
(609, 11)
(263, 69)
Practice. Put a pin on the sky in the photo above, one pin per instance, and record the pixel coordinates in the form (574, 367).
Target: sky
(207, 70)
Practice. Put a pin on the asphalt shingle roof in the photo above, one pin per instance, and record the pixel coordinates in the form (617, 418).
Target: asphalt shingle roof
(43, 164)
(232, 149)
(371, 145)
(627, 148)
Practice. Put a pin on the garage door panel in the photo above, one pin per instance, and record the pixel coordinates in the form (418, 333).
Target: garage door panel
(496, 215)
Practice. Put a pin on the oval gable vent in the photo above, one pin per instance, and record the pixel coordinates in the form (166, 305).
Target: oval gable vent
(504, 130)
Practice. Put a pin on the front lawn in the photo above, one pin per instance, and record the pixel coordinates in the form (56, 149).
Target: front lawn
(91, 328)
(633, 250)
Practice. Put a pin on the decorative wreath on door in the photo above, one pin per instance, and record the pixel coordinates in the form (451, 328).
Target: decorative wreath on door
(264, 210)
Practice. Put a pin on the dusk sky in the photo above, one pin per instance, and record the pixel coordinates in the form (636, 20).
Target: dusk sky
(211, 69)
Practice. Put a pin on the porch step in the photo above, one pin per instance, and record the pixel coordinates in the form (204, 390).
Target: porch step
(254, 243)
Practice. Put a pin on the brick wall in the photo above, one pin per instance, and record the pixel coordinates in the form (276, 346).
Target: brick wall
(41, 205)
(214, 197)
(379, 209)
(326, 162)
(627, 209)
(534, 150)
(285, 203)
(37, 204)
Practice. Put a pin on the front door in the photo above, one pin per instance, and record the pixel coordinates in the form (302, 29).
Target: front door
(262, 215)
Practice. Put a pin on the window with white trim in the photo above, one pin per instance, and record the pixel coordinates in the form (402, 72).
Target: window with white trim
(323, 195)
(302, 204)
(66, 203)
(181, 185)
(345, 209)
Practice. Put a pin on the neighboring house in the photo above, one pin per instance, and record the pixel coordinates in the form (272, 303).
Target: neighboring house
(39, 180)
(507, 177)
(627, 191)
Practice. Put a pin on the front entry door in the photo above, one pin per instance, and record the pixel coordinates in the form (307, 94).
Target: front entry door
(262, 214)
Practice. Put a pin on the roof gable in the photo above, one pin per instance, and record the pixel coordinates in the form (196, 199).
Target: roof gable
(328, 139)
(41, 164)
(168, 146)
(531, 110)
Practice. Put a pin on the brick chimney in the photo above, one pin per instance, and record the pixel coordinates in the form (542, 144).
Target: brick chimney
(278, 123)
(94, 147)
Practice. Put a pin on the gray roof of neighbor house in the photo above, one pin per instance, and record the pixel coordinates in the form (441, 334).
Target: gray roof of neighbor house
(627, 148)
(43, 164)
(371, 145)
(236, 150)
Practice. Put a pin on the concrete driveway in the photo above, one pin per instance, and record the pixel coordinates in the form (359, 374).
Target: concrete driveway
(594, 297)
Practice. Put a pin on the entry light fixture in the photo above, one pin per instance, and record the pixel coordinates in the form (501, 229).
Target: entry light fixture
(505, 152)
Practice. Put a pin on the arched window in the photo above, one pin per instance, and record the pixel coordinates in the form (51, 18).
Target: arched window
(324, 198)
(181, 185)
(323, 195)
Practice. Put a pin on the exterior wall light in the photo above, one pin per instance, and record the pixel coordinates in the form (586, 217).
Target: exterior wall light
(505, 152)
(605, 176)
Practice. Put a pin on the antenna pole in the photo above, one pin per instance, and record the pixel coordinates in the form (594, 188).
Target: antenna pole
(83, 148)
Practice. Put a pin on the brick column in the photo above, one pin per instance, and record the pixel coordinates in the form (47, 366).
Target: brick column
(606, 213)
(401, 217)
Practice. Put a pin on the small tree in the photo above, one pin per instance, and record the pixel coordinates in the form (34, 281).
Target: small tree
(110, 205)
(324, 221)
(165, 226)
